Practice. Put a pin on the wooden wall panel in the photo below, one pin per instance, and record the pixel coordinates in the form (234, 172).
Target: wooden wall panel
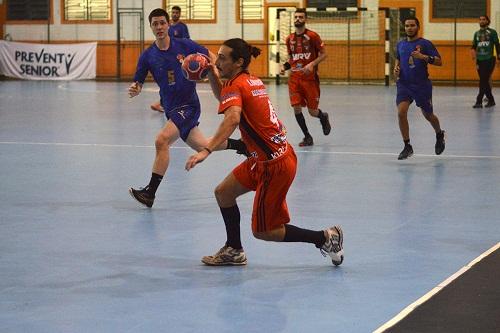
(465, 69)
(366, 61)
(106, 59)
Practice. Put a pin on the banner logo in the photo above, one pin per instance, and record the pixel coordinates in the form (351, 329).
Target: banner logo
(48, 61)
(43, 63)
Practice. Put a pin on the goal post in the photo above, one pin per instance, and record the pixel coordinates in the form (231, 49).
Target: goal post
(357, 42)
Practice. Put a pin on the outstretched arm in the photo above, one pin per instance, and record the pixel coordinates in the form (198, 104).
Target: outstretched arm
(214, 78)
(226, 128)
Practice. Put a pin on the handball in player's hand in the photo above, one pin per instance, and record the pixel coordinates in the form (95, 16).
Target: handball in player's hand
(195, 67)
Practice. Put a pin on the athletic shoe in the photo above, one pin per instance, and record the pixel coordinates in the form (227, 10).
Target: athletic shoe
(477, 106)
(307, 141)
(226, 256)
(490, 104)
(439, 147)
(143, 196)
(334, 245)
(406, 152)
(325, 123)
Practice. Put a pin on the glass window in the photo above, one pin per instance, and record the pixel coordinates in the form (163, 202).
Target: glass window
(251, 10)
(194, 10)
(27, 10)
(332, 3)
(460, 9)
(87, 10)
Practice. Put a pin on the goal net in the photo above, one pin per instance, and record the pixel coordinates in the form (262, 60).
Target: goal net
(355, 42)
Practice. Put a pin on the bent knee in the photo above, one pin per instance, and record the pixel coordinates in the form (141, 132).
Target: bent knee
(221, 193)
(274, 235)
(162, 141)
(263, 235)
(313, 112)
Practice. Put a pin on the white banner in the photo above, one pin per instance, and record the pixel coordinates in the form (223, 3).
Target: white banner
(48, 61)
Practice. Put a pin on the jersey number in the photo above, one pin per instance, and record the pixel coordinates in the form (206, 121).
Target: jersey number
(272, 115)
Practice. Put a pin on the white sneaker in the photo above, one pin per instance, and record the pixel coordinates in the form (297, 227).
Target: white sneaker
(333, 245)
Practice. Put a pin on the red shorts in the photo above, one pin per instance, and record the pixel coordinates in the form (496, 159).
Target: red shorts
(304, 92)
(271, 181)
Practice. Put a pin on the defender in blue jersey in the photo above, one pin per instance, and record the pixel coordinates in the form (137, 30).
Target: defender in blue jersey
(412, 57)
(176, 29)
(178, 97)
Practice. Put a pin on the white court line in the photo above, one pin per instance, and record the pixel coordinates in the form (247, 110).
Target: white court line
(493, 157)
(406, 311)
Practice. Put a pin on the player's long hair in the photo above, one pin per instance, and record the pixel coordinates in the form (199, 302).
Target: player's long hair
(241, 49)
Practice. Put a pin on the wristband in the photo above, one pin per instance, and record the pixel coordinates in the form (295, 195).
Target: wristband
(431, 60)
(209, 151)
(287, 65)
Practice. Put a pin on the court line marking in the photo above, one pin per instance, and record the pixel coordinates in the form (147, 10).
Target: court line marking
(406, 311)
(494, 157)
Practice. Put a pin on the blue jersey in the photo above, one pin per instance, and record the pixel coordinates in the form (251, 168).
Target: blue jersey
(414, 70)
(165, 66)
(178, 30)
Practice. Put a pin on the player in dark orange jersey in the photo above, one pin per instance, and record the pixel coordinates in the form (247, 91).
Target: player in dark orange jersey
(270, 169)
(305, 50)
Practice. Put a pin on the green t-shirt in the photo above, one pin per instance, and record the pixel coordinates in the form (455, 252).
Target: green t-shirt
(483, 42)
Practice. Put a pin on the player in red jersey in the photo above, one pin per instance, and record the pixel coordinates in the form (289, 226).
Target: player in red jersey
(270, 169)
(305, 50)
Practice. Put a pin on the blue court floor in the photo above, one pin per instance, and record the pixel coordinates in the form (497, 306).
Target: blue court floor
(77, 254)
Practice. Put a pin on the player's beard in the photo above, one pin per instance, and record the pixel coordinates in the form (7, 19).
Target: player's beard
(299, 24)
(483, 25)
(412, 35)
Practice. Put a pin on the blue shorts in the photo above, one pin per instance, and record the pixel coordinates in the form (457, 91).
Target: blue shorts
(421, 93)
(185, 118)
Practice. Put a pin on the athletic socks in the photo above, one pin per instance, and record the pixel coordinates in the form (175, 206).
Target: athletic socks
(302, 123)
(231, 216)
(296, 234)
(154, 183)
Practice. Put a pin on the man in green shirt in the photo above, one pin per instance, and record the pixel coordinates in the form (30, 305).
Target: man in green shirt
(482, 53)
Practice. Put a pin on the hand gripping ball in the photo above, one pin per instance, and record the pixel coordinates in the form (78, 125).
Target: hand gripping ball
(195, 67)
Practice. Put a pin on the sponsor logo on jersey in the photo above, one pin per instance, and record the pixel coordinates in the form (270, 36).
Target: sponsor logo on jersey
(300, 56)
(279, 152)
(279, 138)
(259, 92)
(255, 82)
(227, 99)
(231, 94)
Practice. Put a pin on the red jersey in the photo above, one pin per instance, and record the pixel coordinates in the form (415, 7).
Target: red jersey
(302, 50)
(261, 130)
